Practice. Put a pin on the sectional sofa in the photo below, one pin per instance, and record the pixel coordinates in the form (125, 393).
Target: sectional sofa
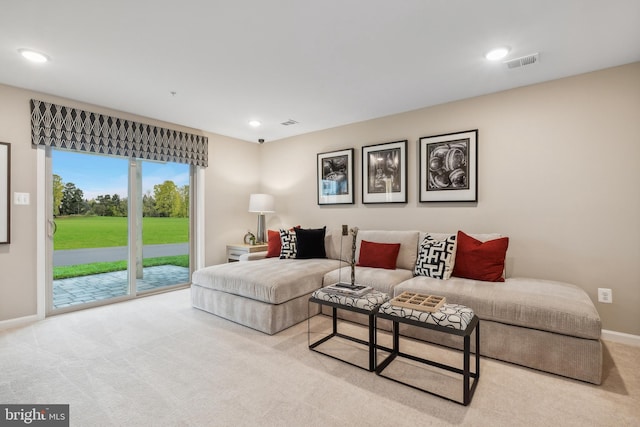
(541, 324)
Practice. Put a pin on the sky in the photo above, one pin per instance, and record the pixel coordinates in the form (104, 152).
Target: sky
(99, 175)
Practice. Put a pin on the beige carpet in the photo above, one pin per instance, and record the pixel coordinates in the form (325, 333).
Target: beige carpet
(157, 361)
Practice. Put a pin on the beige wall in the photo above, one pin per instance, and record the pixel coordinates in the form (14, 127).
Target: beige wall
(233, 174)
(18, 259)
(559, 174)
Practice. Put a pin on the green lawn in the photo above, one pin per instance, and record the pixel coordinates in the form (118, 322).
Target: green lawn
(68, 271)
(104, 231)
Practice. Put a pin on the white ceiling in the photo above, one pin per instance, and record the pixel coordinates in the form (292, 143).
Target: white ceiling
(323, 63)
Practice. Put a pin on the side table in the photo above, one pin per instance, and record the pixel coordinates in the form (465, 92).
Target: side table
(451, 319)
(367, 304)
(235, 251)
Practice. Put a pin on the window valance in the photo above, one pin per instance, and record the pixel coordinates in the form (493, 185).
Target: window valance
(74, 129)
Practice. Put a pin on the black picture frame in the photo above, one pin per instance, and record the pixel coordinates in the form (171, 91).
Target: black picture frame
(449, 167)
(384, 172)
(335, 177)
(5, 186)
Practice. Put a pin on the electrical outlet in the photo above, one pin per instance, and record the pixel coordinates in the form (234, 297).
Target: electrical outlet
(605, 295)
(345, 229)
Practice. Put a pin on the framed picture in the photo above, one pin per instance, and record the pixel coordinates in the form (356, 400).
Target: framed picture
(5, 181)
(335, 177)
(449, 167)
(384, 173)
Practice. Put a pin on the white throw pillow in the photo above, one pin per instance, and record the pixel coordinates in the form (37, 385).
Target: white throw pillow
(288, 244)
(436, 257)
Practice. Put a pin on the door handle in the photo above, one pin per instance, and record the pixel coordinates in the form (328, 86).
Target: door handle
(53, 227)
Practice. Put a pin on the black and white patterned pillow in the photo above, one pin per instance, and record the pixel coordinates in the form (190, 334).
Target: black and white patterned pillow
(288, 244)
(436, 257)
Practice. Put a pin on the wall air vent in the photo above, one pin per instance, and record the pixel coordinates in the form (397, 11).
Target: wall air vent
(523, 61)
(289, 122)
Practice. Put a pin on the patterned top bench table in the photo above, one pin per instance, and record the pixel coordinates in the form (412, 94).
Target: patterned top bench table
(367, 304)
(450, 318)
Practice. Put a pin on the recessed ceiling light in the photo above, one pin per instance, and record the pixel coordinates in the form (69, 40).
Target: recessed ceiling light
(497, 53)
(33, 56)
(254, 123)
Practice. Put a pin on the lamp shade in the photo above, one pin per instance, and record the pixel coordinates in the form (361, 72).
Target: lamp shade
(261, 203)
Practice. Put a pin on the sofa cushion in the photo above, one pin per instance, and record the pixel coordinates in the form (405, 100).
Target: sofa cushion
(480, 260)
(408, 244)
(378, 278)
(269, 280)
(532, 303)
(483, 237)
(288, 244)
(436, 257)
(273, 244)
(378, 255)
(310, 243)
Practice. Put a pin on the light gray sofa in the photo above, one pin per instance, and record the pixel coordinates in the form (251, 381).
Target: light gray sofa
(545, 325)
(268, 295)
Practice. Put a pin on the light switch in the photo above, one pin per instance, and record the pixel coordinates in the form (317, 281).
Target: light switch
(20, 198)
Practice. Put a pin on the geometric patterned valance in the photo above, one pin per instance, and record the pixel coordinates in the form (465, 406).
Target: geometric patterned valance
(74, 129)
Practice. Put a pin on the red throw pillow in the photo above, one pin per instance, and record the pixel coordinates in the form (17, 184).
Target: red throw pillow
(378, 255)
(480, 260)
(274, 244)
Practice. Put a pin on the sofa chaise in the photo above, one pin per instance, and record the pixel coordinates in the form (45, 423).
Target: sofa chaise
(541, 324)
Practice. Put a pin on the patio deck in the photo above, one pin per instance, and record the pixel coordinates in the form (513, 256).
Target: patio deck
(97, 287)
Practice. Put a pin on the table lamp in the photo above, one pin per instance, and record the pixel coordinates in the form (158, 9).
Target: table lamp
(261, 203)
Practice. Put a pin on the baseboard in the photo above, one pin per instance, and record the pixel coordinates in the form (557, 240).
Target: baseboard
(621, 337)
(19, 321)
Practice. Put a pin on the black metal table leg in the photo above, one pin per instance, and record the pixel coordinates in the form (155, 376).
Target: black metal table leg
(468, 387)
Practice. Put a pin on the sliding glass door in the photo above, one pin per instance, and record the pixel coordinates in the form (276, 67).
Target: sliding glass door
(120, 228)
(162, 240)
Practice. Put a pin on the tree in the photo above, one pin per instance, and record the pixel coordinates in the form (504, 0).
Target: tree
(58, 188)
(72, 200)
(165, 196)
(116, 206)
(101, 205)
(149, 205)
(184, 197)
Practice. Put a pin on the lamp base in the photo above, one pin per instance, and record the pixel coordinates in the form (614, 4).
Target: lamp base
(260, 237)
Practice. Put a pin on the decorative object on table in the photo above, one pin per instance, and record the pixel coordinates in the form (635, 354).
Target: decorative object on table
(384, 173)
(449, 167)
(261, 203)
(335, 177)
(422, 302)
(5, 183)
(249, 238)
(347, 289)
(354, 234)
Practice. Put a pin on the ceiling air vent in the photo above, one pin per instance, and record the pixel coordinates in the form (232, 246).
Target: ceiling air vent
(523, 61)
(289, 122)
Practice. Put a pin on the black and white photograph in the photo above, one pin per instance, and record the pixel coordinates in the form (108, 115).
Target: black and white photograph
(335, 177)
(384, 173)
(448, 167)
(5, 177)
